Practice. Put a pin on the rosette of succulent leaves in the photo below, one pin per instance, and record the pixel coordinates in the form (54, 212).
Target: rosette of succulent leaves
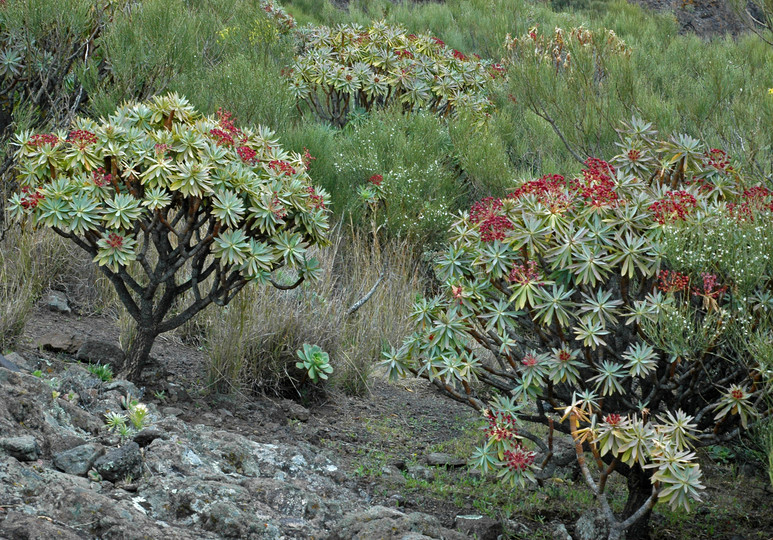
(179, 210)
(627, 307)
(353, 68)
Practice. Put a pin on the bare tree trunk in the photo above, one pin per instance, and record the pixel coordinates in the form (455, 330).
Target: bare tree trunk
(138, 353)
(639, 490)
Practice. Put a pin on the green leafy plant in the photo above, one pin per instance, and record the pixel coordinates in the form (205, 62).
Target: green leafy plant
(584, 304)
(202, 206)
(544, 67)
(315, 362)
(103, 371)
(44, 48)
(115, 421)
(351, 68)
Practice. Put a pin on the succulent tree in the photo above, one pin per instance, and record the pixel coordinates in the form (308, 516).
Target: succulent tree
(349, 68)
(178, 210)
(625, 307)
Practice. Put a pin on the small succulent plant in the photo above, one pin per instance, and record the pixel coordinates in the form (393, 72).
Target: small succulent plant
(315, 362)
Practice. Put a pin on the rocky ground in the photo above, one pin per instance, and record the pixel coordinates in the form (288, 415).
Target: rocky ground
(385, 466)
(227, 467)
(707, 18)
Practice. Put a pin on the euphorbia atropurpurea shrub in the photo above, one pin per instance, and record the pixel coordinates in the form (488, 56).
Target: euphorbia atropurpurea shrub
(628, 307)
(353, 68)
(179, 210)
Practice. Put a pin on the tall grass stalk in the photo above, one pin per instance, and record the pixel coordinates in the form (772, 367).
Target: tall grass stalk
(252, 343)
(30, 261)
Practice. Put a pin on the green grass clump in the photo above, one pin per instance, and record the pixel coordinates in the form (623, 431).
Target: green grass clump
(102, 371)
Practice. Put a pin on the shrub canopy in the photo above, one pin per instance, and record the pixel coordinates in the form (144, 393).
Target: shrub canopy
(349, 68)
(175, 207)
(626, 306)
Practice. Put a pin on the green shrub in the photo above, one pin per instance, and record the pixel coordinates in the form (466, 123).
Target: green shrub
(615, 306)
(203, 207)
(350, 68)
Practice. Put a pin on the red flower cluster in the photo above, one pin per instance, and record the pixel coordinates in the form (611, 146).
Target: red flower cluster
(115, 241)
(282, 167)
(497, 70)
(550, 191)
(596, 185)
(227, 133)
(315, 200)
(529, 360)
(223, 137)
(277, 208)
(404, 53)
(161, 149)
(42, 139)
(738, 393)
(518, 459)
(81, 138)
(524, 273)
(675, 205)
(247, 154)
(30, 199)
(100, 177)
(669, 281)
(755, 199)
(501, 425)
(718, 159)
(612, 419)
(307, 158)
(459, 56)
(438, 41)
(492, 225)
(376, 179)
(710, 287)
(633, 155)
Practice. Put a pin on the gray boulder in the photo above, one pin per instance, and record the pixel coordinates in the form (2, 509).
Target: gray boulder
(390, 524)
(121, 462)
(441, 459)
(57, 302)
(78, 460)
(591, 526)
(8, 364)
(24, 448)
(60, 342)
(99, 352)
(480, 527)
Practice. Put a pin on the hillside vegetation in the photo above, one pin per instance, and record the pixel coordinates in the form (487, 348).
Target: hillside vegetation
(559, 213)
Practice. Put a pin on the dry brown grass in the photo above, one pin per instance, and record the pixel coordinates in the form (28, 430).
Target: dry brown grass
(31, 261)
(252, 342)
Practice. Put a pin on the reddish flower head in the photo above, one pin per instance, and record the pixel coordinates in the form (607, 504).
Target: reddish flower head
(115, 241)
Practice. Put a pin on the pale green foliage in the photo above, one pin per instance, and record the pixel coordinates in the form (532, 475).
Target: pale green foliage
(351, 67)
(554, 294)
(315, 362)
(173, 189)
(251, 200)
